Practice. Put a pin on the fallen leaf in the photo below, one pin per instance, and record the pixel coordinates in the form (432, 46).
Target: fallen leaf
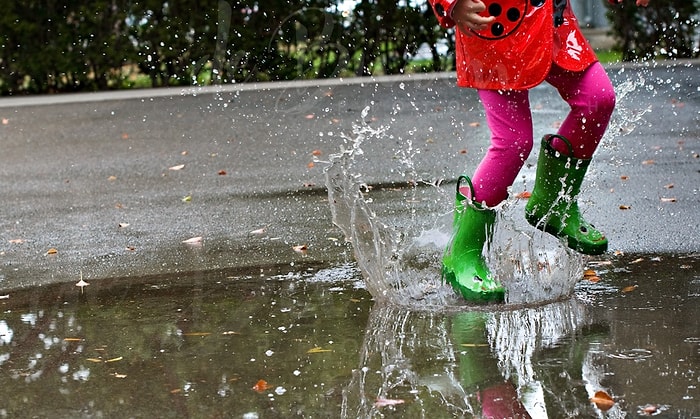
(316, 153)
(119, 358)
(17, 241)
(72, 339)
(187, 198)
(381, 402)
(130, 248)
(593, 279)
(318, 350)
(669, 186)
(95, 360)
(310, 165)
(629, 288)
(668, 200)
(524, 195)
(648, 162)
(258, 231)
(51, 251)
(474, 124)
(185, 152)
(5, 121)
(624, 177)
(197, 334)
(222, 173)
(123, 225)
(302, 249)
(602, 401)
(112, 178)
(176, 391)
(194, 240)
(261, 386)
(625, 207)
(637, 260)
(125, 136)
(463, 151)
(475, 345)
(117, 375)
(589, 272)
(310, 116)
(178, 167)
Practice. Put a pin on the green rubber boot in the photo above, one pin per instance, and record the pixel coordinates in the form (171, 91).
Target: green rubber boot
(463, 264)
(553, 206)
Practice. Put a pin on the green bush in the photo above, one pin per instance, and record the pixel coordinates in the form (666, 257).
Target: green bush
(664, 29)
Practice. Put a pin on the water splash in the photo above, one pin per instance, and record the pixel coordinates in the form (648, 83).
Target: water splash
(400, 257)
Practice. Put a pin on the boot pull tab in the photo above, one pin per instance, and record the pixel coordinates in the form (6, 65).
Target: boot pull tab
(459, 186)
(548, 141)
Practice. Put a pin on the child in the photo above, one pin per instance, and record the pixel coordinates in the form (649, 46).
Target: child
(504, 48)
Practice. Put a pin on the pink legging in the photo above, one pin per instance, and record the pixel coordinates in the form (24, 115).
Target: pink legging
(589, 94)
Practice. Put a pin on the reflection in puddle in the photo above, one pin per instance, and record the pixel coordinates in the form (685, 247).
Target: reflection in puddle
(312, 342)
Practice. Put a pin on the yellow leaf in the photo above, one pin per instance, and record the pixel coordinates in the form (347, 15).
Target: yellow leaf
(95, 360)
(51, 251)
(119, 358)
(72, 340)
(318, 350)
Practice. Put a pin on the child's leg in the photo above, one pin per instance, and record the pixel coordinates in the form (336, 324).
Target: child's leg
(509, 118)
(592, 99)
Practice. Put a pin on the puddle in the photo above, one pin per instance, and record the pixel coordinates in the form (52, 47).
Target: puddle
(199, 346)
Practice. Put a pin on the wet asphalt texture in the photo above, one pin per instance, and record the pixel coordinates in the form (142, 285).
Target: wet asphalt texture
(112, 185)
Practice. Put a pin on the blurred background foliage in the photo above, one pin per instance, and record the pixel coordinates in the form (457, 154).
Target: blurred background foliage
(50, 46)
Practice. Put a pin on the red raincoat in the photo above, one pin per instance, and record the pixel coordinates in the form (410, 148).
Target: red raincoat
(518, 49)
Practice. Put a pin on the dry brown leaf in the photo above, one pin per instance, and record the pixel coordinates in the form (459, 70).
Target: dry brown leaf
(316, 153)
(669, 186)
(463, 151)
(524, 195)
(72, 339)
(629, 288)
(668, 200)
(474, 124)
(221, 173)
(178, 167)
(624, 177)
(112, 178)
(602, 401)
(648, 162)
(318, 350)
(310, 165)
(51, 251)
(625, 207)
(637, 260)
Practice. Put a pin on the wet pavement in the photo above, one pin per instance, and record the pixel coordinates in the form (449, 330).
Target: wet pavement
(201, 221)
(115, 185)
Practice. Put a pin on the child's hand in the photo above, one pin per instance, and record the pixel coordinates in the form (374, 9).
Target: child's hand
(466, 15)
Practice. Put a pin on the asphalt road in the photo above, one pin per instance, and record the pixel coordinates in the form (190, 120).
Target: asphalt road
(110, 185)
